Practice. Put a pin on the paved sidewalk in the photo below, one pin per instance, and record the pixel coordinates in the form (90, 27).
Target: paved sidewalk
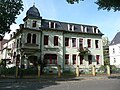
(47, 79)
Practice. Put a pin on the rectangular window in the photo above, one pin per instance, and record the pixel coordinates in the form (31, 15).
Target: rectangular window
(55, 40)
(89, 59)
(34, 39)
(66, 41)
(89, 43)
(54, 58)
(113, 50)
(66, 59)
(46, 37)
(34, 23)
(50, 59)
(73, 42)
(71, 27)
(52, 24)
(98, 59)
(96, 44)
(81, 59)
(114, 60)
(17, 43)
(74, 59)
(81, 43)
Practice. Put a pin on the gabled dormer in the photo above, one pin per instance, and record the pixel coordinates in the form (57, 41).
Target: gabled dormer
(32, 19)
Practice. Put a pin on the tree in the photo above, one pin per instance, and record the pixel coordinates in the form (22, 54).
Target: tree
(9, 9)
(106, 61)
(103, 4)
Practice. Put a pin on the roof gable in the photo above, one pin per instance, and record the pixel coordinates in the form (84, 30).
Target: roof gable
(116, 39)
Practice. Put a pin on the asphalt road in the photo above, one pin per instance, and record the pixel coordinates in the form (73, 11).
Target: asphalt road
(103, 84)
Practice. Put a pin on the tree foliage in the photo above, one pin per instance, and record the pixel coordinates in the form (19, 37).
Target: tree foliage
(103, 4)
(9, 9)
(106, 61)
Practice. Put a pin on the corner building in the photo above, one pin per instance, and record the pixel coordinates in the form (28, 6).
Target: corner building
(55, 42)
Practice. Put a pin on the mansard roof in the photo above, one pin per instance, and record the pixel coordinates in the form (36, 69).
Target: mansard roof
(64, 27)
(116, 39)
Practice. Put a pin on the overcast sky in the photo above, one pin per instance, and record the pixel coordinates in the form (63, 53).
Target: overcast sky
(83, 13)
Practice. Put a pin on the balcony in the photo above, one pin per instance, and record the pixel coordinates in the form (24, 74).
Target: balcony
(83, 50)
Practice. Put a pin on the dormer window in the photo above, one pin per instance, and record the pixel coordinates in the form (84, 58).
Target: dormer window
(81, 27)
(86, 29)
(34, 23)
(95, 30)
(52, 24)
(71, 27)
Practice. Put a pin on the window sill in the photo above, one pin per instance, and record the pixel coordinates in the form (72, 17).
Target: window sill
(31, 44)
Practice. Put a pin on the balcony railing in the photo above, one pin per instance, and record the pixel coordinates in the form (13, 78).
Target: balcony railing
(83, 50)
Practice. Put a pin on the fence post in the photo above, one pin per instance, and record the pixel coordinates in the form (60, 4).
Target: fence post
(38, 71)
(93, 71)
(77, 71)
(16, 74)
(108, 70)
(59, 71)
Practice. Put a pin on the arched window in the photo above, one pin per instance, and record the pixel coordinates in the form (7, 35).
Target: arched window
(34, 39)
(28, 38)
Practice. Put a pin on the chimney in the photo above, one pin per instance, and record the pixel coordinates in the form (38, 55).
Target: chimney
(21, 26)
(17, 30)
(13, 34)
(10, 36)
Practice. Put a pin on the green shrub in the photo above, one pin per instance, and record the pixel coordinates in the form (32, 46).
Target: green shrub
(30, 71)
(102, 69)
(8, 71)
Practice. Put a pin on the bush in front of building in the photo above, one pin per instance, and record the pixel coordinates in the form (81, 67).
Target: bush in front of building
(114, 69)
(29, 71)
(8, 71)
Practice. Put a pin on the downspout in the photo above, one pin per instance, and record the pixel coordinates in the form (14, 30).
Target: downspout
(63, 51)
(40, 47)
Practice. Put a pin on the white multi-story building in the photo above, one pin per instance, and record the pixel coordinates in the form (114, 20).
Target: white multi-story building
(54, 43)
(114, 50)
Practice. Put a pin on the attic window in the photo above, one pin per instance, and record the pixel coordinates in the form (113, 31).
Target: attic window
(81, 27)
(95, 30)
(71, 27)
(85, 28)
(52, 24)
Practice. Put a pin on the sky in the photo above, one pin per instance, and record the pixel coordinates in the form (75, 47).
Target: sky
(85, 12)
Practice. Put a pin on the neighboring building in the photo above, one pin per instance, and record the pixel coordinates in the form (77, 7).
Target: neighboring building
(114, 50)
(54, 43)
(1, 46)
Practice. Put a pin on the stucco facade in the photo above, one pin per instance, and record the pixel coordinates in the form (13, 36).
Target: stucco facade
(55, 43)
(114, 53)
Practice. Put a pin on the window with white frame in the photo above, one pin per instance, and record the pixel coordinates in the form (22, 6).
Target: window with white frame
(89, 43)
(114, 60)
(96, 43)
(74, 58)
(66, 59)
(31, 38)
(52, 24)
(73, 42)
(71, 27)
(66, 41)
(98, 59)
(113, 50)
(119, 48)
(34, 23)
